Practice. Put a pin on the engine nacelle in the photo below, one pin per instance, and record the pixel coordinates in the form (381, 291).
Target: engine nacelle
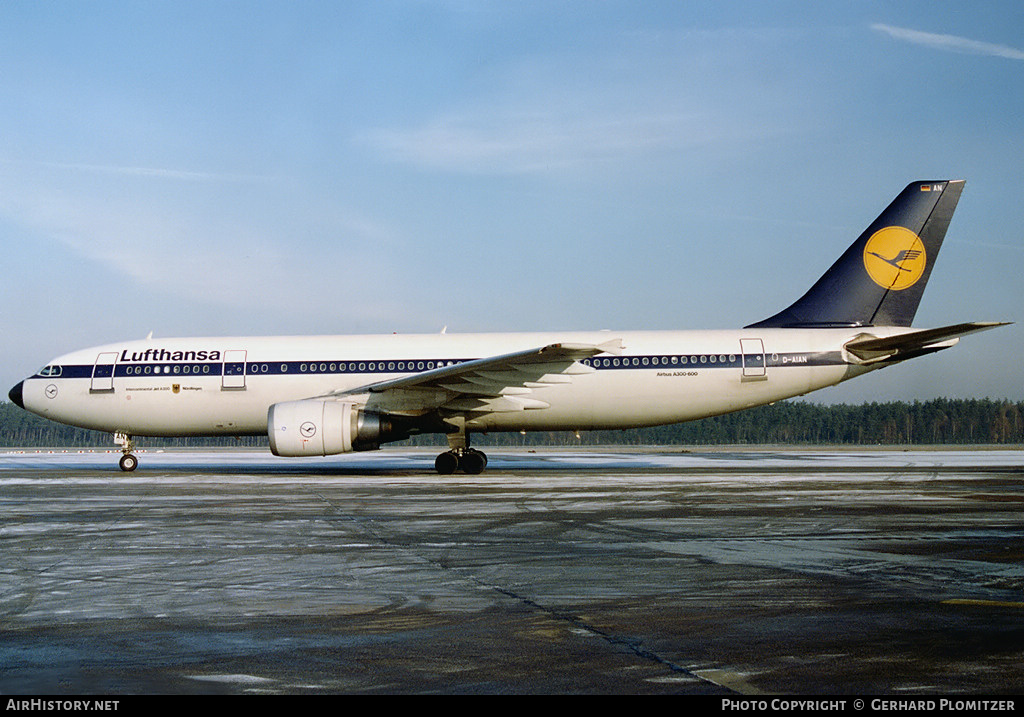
(323, 428)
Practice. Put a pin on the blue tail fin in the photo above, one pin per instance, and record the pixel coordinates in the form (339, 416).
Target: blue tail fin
(879, 280)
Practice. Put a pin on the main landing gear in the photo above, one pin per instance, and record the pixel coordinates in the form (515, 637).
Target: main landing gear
(459, 455)
(128, 461)
(468, 460)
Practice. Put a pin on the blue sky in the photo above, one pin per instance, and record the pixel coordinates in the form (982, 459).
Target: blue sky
(233, 168)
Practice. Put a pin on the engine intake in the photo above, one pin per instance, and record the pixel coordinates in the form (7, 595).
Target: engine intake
(324, 428)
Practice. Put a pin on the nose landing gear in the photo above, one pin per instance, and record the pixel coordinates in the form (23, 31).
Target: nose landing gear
(128, 461)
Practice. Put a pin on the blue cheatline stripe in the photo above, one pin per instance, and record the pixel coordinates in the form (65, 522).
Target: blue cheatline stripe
(408, 366)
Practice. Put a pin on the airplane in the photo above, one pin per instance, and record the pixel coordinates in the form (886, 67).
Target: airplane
(326, 395)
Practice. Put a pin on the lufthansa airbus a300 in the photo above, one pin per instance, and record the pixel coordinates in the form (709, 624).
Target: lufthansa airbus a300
(323, 395)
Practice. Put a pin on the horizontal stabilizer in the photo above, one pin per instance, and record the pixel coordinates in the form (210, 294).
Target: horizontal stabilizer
(871, 349)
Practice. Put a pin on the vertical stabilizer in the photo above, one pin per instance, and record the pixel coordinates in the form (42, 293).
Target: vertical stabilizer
(879, 280)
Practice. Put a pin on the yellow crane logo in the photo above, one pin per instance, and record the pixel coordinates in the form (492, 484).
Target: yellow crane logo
(894, 258)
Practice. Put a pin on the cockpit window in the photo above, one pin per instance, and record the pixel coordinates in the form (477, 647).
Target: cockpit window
(50, 371)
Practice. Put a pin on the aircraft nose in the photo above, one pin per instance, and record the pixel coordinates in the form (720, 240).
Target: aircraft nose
(16, 396)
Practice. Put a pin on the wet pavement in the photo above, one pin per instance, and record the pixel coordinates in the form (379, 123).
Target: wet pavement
(726, 572)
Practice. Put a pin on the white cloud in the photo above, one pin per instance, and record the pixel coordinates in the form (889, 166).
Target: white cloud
(496, 142)
(223, 244)
(950, 43)
(644, 95)
(157, 173)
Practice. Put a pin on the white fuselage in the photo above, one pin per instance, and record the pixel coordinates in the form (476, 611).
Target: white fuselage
(225, 386)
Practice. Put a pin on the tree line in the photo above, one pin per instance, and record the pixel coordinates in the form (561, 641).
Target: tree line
(937, 421)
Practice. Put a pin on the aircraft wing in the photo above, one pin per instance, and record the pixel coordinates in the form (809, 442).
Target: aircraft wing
(870, 349)
(497, 383)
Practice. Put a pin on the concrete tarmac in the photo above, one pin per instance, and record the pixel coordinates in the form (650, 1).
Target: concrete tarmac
(726, 572)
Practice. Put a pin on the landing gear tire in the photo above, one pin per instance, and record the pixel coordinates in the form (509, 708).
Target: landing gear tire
(446, 463)
(128, 462)
(473, 462)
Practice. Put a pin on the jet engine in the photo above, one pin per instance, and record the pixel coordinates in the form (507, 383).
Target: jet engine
(323, 428)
